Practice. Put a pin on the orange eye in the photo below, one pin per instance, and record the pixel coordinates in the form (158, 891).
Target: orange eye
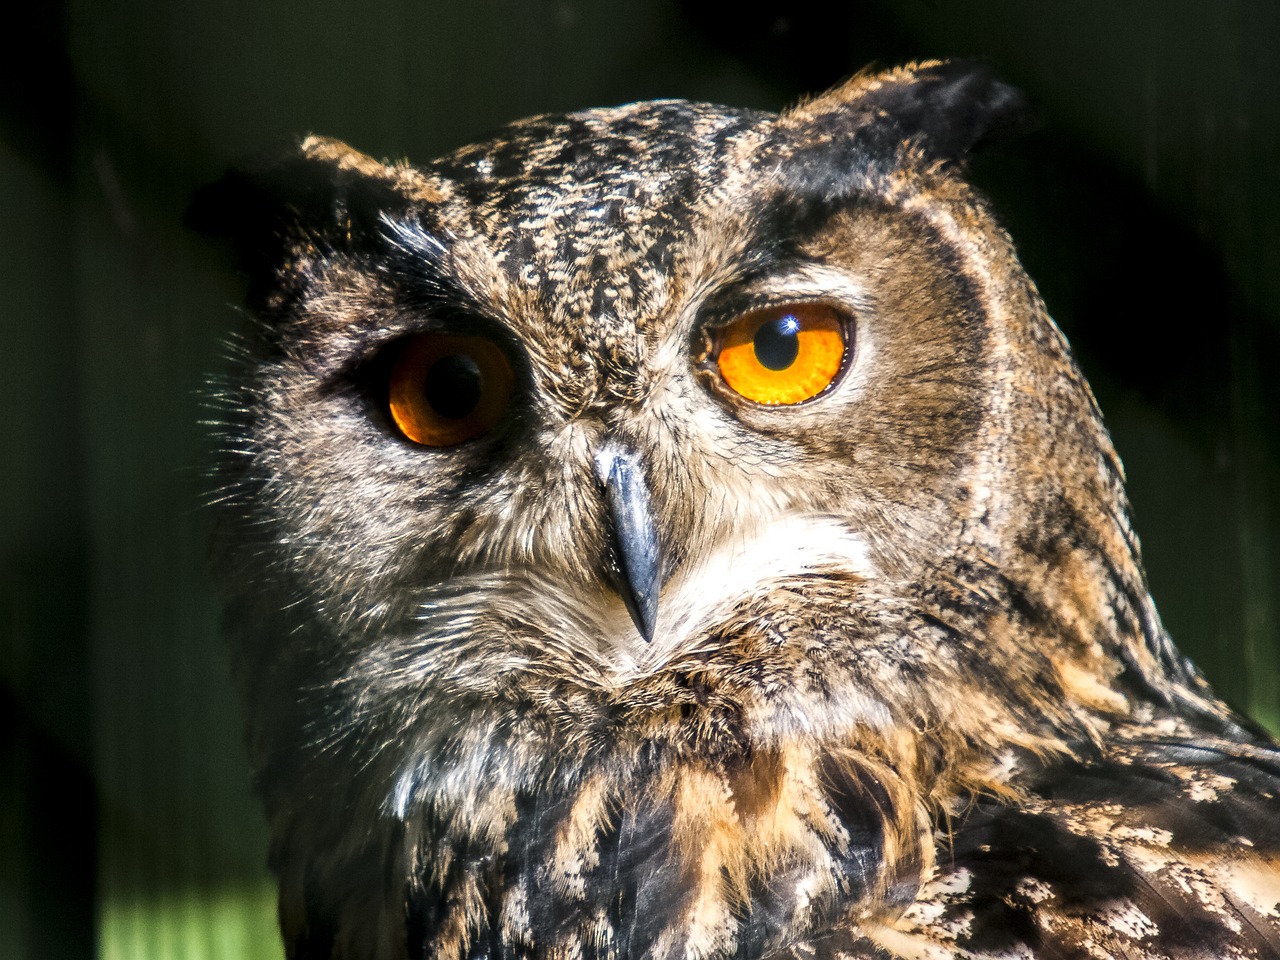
(782, 355)
(447, 389)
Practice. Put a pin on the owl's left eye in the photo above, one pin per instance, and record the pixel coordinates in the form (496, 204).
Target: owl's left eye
(446, 389)
(784, 354)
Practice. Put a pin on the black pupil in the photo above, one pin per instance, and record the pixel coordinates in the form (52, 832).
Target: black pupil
(453, 386)
(777, 342)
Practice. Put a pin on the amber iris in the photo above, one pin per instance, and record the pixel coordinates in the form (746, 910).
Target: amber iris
(784, 354)
(446, 389)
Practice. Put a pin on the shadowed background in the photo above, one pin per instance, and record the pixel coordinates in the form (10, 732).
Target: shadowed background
(1146, 205)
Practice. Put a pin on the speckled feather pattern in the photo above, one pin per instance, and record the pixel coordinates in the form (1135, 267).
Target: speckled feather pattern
(907, 697)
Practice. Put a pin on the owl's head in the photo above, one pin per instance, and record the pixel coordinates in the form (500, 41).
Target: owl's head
(667, 429)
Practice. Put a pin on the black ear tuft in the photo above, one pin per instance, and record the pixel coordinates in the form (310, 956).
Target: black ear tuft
(247, 209)
(314, 197)
(945, 110)
(952, 108)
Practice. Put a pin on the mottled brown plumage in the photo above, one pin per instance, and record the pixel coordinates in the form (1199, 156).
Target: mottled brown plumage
(906, 693)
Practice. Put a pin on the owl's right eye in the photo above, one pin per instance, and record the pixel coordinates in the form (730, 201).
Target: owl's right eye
(446, 389)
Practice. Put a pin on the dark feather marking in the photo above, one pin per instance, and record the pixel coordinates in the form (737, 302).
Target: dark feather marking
(639, 882)
(1158, 797)
(863, 807)
(1003, 848)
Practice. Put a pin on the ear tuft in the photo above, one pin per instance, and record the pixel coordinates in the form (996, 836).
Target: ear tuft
(317, 194)
(945, 109)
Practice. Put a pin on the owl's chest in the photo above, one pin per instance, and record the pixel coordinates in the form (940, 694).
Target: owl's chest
(670, 859)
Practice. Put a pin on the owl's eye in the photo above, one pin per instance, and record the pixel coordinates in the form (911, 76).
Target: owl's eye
(446, 389)
(783, 355)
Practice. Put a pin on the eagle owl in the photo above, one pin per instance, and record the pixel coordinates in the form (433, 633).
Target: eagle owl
(673, 531)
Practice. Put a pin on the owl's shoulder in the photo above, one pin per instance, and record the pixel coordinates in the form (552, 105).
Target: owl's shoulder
(1158, 845)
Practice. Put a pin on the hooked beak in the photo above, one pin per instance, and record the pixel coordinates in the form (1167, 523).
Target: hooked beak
(636, 558)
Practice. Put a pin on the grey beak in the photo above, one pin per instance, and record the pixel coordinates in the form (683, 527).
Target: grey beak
(637, 560)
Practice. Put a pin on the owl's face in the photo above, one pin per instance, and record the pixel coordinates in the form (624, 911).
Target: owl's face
(444, 404)
(657, 439)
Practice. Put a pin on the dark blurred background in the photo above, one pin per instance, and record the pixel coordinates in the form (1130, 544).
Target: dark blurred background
(1146, 205)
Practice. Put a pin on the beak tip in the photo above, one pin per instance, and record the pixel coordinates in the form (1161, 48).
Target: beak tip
(646, 616)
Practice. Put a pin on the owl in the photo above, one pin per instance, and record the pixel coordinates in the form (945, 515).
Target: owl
(673, 531)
